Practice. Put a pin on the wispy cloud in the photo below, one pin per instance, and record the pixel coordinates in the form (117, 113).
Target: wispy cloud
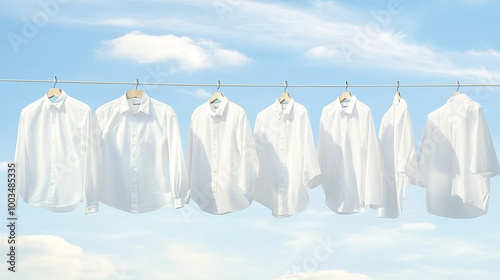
(418, 226)
(325, 275)
(184, 53)
(200, 93)
(326, 33)
(3, 165)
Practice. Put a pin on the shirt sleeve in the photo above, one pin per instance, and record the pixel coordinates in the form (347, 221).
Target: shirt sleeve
(373, 172)
(90, 197)
(484, 160)
(406, 159)
(425, 148)
(249, 163)
(177, 166)
(311, 165)
(95, 155)
(20, 158)
(324, 141)
(189, 160)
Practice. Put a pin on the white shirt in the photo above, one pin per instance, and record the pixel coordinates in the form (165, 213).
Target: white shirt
(399, 163)
(221, 158)
(349, 157)
(53, 155)
(456, 159)
(288, 164)
(140, 164)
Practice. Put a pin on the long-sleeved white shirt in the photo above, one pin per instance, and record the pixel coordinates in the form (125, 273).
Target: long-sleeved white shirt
(349, 157)
(53, 155)
(221, 158)
(399, 162)
(288, 164)
(139, 164)
(456, 158)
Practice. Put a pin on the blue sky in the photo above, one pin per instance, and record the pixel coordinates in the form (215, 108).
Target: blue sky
(253, 42)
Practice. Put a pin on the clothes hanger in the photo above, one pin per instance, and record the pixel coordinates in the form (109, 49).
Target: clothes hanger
(285, 96)
(397, 92)
(458, 87)
(54, 91)
(217, 94)
(135, 92)
(345, 95)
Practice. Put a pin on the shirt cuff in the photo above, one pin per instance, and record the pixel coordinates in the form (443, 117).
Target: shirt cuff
(178, 203)
(91, 208)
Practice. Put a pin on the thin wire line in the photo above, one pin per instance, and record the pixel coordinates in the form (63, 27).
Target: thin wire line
(236, 85)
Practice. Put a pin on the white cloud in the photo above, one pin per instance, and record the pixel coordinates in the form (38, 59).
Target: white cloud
(200, 93)
(46, 257)
(325, 275)
(185, 53)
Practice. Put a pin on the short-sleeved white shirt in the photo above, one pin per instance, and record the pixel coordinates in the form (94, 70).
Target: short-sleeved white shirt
(349, 157)
(288, 164)
(456, 158)
(221, 158)
(397, 152)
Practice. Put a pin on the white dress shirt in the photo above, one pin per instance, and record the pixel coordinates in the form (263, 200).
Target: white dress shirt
(139, 163)
(53, 155)
(221, 158)
(288, 164)
(397, 151)
(456, 159)
(349, 157)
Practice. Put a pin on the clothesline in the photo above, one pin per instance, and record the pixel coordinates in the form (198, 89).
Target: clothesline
(239, 85)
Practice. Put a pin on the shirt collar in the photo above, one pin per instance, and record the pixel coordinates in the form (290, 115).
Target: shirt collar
(398, 102)
(280, 112)
(57, 103)
(350, 106)
(220, 110)
(143, 107)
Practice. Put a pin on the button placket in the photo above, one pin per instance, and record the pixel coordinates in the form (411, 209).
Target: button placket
(343, 133)
(282, 167)
(134, 191)
(53, 158)
(215, 156)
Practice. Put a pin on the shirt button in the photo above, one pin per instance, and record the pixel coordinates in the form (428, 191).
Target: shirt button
(133, 155)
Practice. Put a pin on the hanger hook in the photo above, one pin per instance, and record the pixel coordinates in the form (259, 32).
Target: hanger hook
(346, 85)
(218, 85)
(286, 85)
(55, 81)
(397, 83)
(136, 83)
(458, 85)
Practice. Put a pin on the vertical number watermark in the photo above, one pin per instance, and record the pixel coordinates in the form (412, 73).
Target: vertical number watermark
(11, 217)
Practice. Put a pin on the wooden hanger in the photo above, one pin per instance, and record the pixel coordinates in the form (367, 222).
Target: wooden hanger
(135, 92)
(217, 94)
(285, 96)
(54, 91)
(345, 95)
(458, 87)
(397, 92)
